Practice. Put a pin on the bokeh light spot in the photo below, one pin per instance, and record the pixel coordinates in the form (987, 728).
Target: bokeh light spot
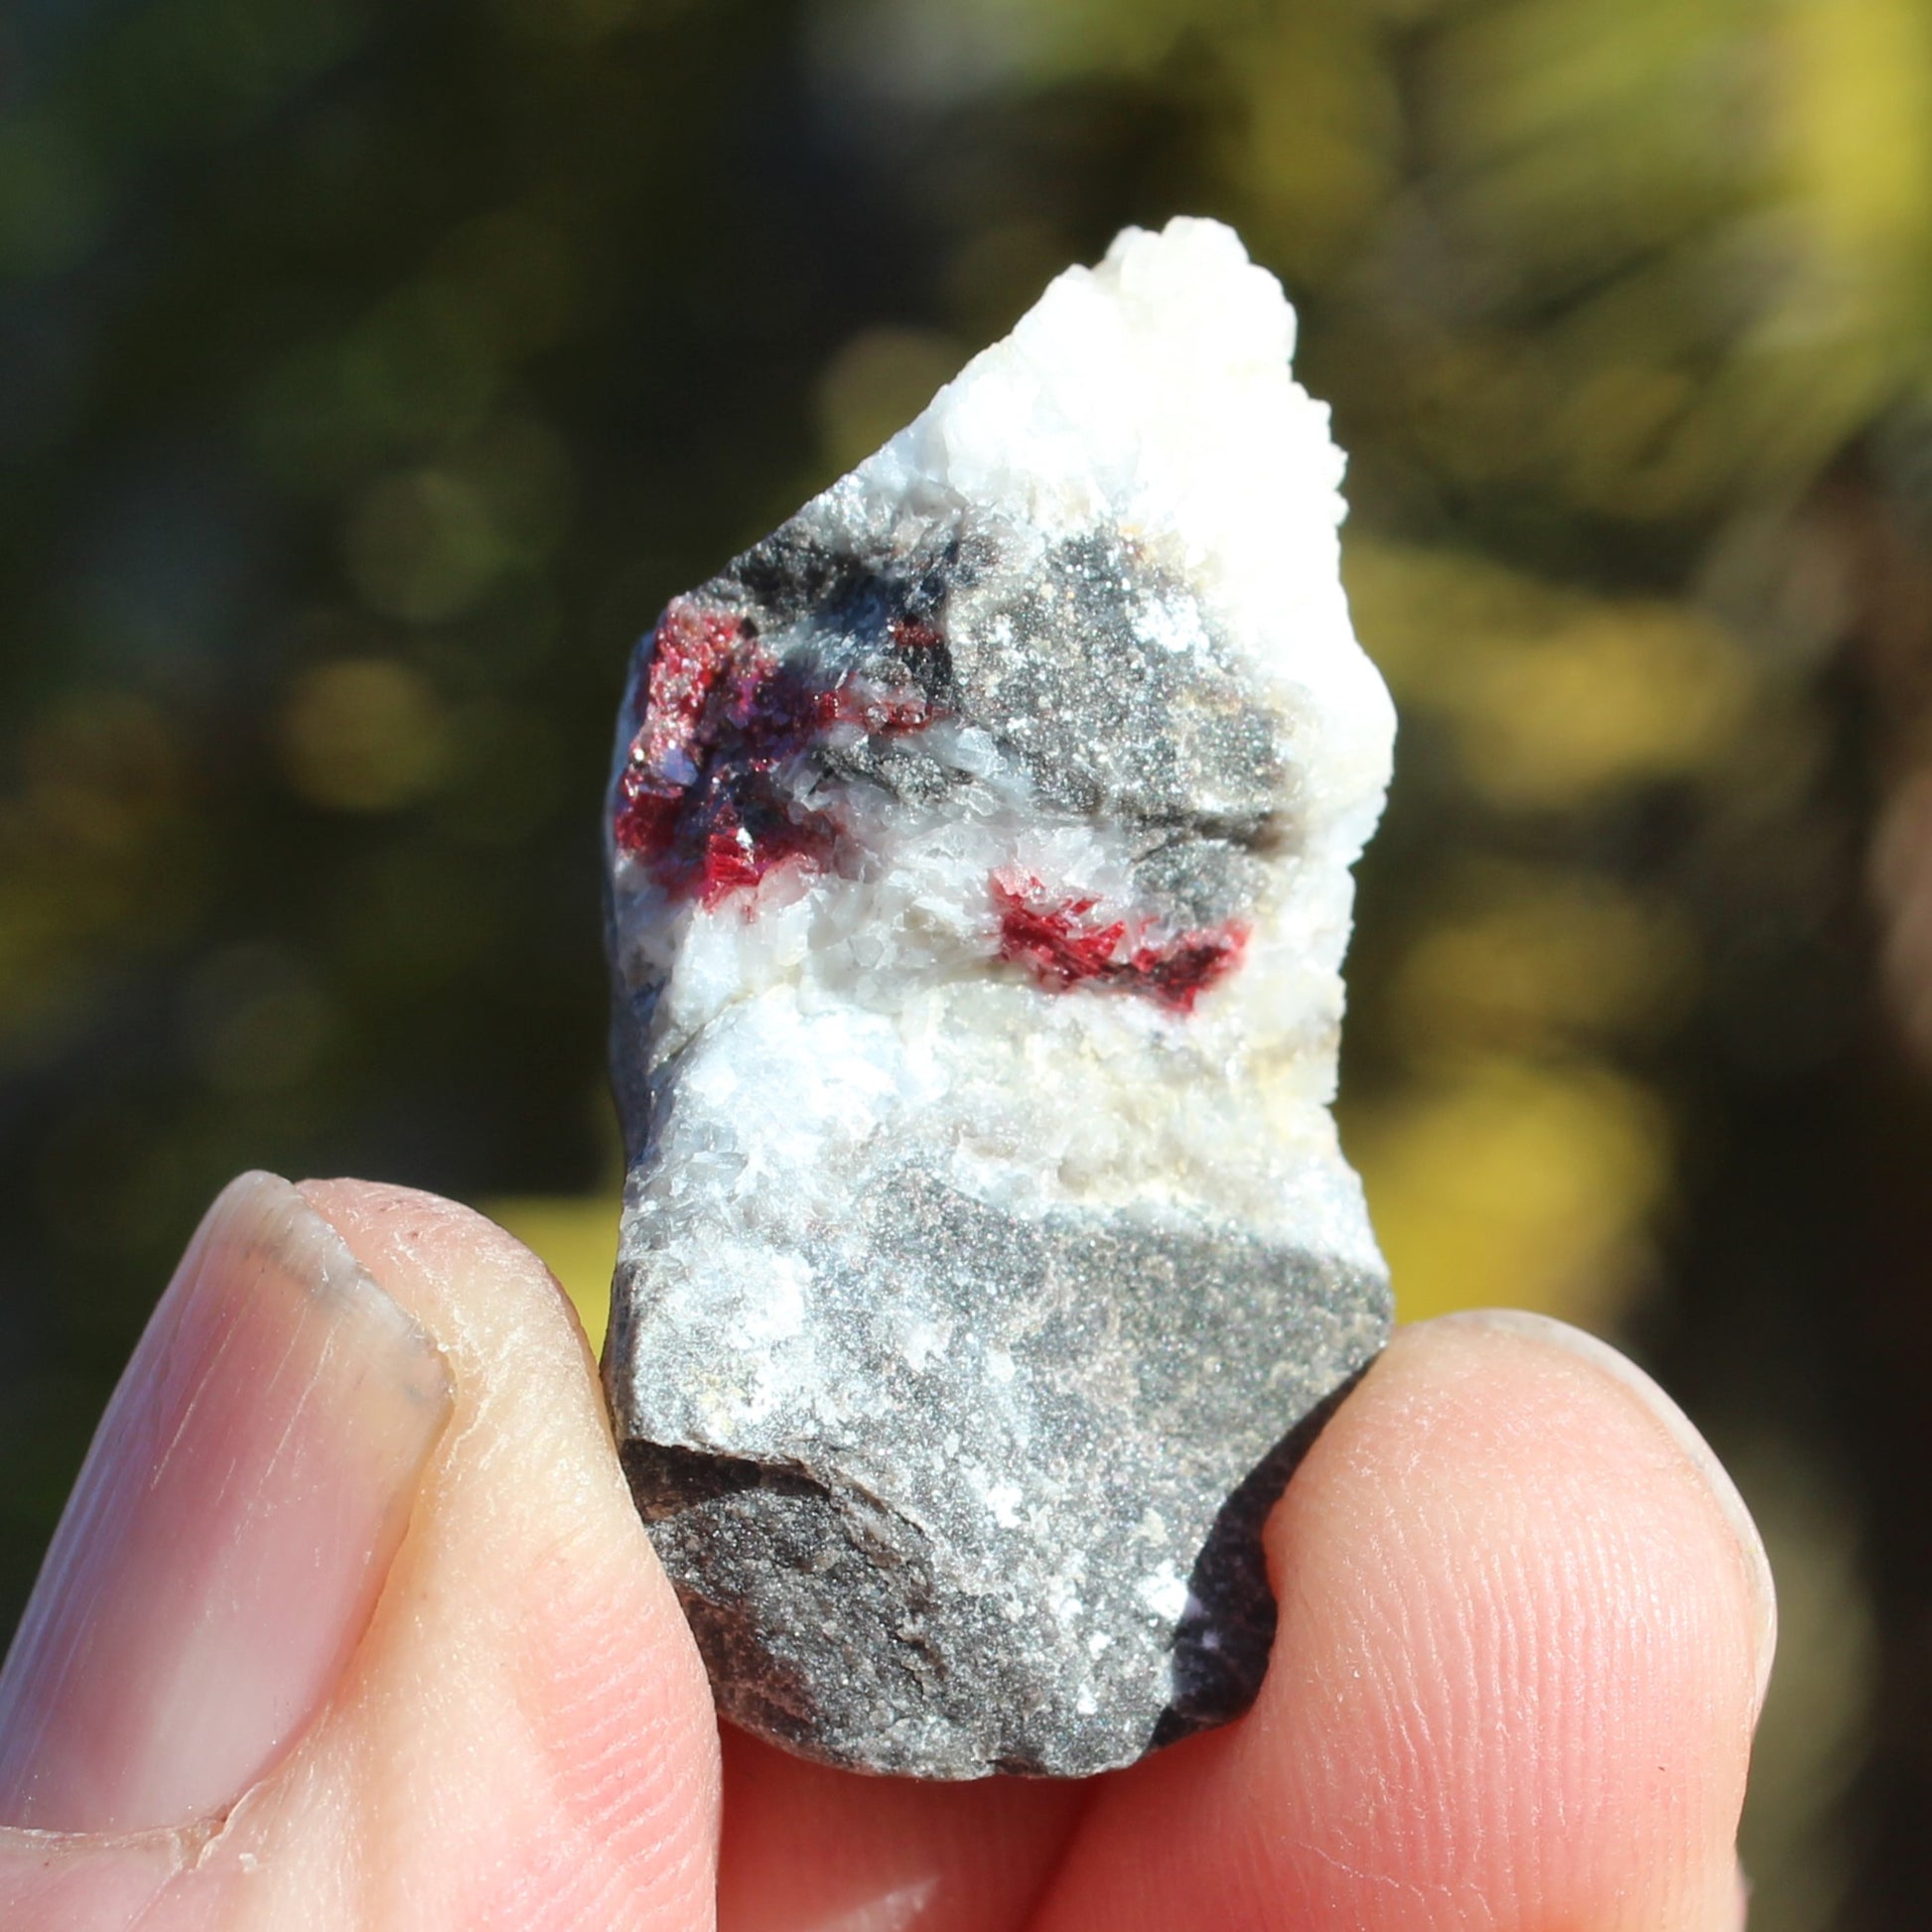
(362, 735)
(877, 383)
(1514, 1184)
(422, 546)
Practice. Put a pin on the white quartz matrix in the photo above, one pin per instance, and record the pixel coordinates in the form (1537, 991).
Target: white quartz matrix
(980, 852)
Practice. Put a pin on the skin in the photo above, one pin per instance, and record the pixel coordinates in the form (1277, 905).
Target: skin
(1523, 1641)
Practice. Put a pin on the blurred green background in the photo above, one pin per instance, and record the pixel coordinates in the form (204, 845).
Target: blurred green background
(370, 375)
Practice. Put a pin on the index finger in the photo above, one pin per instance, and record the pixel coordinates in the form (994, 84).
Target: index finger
(1525, 1627)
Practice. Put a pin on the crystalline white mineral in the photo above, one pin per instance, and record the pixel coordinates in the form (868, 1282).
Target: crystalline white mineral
(980, 848)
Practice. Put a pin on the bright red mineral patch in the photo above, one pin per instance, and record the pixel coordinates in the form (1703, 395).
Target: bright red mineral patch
(700, 801)
(1063, 944)
(872, 710)
(915, 633)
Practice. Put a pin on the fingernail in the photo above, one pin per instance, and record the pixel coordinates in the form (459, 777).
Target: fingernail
(224, 1548)
(1683, 1432)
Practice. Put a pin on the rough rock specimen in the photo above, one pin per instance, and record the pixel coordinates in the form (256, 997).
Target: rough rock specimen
(980, 849)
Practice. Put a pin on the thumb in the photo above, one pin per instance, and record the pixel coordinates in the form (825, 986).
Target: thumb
(349, 1620)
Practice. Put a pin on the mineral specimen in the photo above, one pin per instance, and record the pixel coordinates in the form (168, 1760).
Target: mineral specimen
(979, 857)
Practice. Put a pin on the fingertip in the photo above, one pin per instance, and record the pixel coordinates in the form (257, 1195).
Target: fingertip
(413, 1504)
(530, 1598)
(1701, 1468)
(1516, 1670)
(487, 1290)
(230, 1530)
(1539, 1410)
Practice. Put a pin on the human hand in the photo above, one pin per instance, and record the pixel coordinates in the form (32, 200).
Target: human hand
(350, 1623)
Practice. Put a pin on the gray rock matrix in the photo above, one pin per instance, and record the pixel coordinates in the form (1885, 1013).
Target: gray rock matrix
(979, 852)
(1134, 1392)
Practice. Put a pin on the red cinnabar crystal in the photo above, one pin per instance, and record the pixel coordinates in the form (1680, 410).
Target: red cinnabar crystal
(698, 801)
(1062, 945)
